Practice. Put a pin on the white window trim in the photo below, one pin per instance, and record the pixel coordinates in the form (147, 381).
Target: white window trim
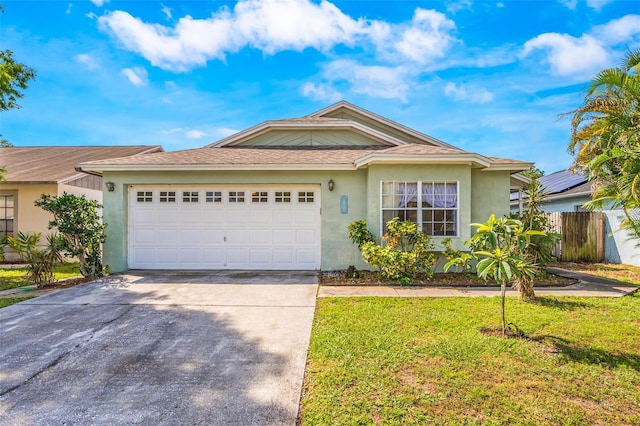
(419, 209)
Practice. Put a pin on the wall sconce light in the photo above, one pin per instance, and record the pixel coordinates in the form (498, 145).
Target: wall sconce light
(110, 186)
(332, 184)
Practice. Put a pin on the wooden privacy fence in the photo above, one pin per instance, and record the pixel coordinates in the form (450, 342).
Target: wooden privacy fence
(583, 236)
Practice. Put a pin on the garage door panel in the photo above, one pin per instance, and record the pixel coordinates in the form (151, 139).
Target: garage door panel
(200, 231)
(191, 236)
(283, 236)
(168, 216)
(260, 236)
(143, 216)
(144, 236)
(191, 215)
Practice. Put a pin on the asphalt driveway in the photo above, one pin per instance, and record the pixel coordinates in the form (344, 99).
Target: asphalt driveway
(159, 348)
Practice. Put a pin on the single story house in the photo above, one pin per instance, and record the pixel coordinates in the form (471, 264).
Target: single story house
(280, 194)
(32, 171)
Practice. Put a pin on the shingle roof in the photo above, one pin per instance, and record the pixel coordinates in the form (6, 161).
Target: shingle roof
(236, 156)
(57, 163)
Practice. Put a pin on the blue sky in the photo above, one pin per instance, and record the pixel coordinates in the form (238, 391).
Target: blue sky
(487, 76)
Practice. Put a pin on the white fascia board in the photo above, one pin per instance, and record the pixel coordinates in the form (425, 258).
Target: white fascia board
(101, 168)
(380, 119)
(512, 167)
(381, 158)
(275, 125)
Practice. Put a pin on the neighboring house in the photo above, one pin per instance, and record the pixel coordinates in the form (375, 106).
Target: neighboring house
(281, 194)
(32, 171)
(568, 191)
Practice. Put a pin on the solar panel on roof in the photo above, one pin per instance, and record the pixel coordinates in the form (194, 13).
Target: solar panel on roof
(561, 181)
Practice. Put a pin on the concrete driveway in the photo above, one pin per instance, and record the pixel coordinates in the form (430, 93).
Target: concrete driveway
(159, 348)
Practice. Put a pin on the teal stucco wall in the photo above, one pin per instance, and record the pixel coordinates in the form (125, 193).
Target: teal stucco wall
(337, 251)
(481, 193)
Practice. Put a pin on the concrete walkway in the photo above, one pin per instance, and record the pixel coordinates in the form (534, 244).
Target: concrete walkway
(587, 286)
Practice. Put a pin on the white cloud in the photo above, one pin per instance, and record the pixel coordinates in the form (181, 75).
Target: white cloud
(87, 60)
(195, 134)
(458, 5)
(166, 10)
(277, 25)
(268, 25)
(468, 93)
(371, 80)
(585, 55)
(321, 92)
(568, 55)
(137, 76)
(622, 30)
(91, 15)
(597, 4)
(69, 6)
(99, 3)
(223, 132)
(427, 38)
(500, 5)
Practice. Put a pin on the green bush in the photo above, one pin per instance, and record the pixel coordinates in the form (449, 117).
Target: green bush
(405, 252)
(41, 261)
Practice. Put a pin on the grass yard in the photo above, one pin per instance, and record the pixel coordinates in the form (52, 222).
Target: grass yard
(13, 278)
(425, 361)
(6, 301)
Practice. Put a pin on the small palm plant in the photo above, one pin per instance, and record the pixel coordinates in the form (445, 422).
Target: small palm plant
(499, 246)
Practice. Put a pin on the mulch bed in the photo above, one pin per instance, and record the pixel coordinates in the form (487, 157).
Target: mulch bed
(449, 279)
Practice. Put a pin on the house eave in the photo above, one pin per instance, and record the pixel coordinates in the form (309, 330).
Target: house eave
(209, 167)
(464, 159)
(508, 167)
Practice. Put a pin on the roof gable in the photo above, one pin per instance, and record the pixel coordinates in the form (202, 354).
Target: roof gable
(348, 111)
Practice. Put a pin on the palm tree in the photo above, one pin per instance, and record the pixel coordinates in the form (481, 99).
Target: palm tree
(605, 139)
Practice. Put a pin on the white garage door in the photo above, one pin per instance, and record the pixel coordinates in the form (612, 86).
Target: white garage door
(224, 227)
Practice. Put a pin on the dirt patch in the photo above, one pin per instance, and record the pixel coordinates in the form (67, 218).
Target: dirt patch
(449, 279)
(34, 291)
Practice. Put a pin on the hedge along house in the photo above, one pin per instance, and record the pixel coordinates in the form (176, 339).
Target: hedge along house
(281, 194)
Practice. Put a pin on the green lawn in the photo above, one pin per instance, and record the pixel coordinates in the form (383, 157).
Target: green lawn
(12, 278)
(6, 301)
(425, 361)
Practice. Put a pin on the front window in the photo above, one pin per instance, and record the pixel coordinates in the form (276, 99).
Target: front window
(7, 210)
(432, 205)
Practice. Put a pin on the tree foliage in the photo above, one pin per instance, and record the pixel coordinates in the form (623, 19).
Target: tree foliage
(605, 139)
(14, 79)
(78, 222)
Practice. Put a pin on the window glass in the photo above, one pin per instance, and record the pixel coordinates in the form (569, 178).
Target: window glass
(283, 196)
(259, 197)
(213, 197)
(305, 196)
(236, 196)
(190, 196)
(432, 205)
(144, 196)
(167, 196)
(7, 211)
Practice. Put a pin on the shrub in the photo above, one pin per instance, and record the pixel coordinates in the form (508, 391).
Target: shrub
(78, 223)
(405, 254)
(41, 261)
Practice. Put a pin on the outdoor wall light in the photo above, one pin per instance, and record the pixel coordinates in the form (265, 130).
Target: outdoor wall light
(110, 186)
(332, 184)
